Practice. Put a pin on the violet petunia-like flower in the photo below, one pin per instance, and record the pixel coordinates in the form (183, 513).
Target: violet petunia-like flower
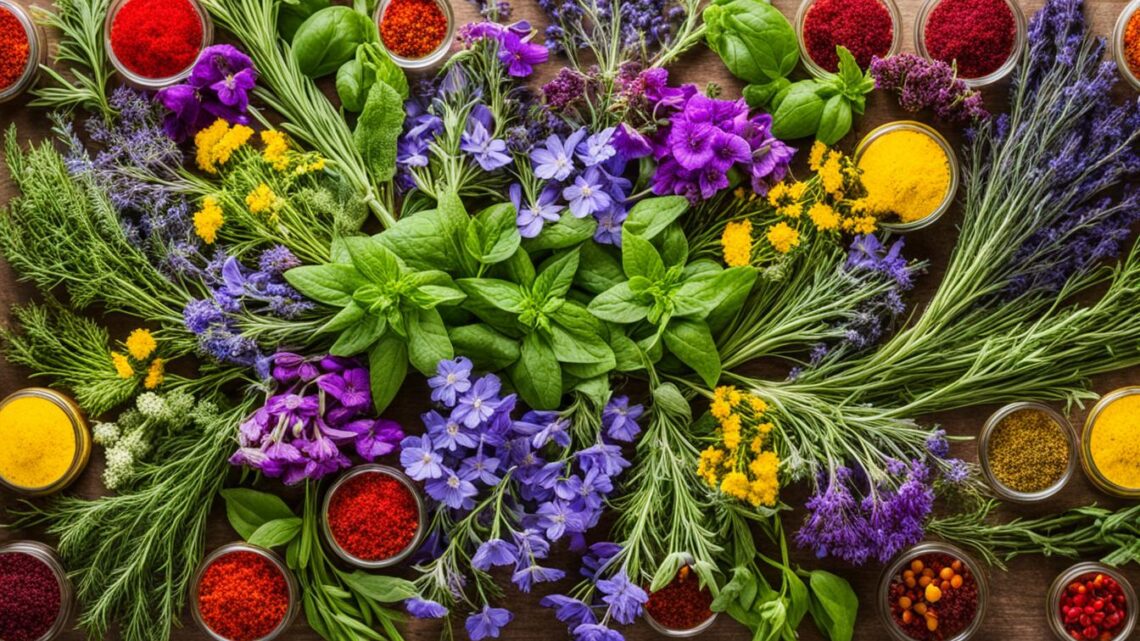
(494, 553)
(487, 623)
(619, 418)
(218, 87)
(532, 218)
(452, 377)
(587, 194)
(555, 161)
(520, 56)
(451, 490)
(692, 143)
(351, 388)
(569, 610)
(425, 609)
(490, 153)
(597, 148)
(420, 461)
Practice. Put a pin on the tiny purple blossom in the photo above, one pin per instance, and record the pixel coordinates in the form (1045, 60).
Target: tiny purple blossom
(452, 377)
(487, 623)
(587, 195)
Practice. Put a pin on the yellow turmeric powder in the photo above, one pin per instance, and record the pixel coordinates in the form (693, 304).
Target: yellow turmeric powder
(906, 174)
(1113, 446)
(38, 442)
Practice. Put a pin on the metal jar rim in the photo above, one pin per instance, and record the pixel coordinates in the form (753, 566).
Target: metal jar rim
(408, 483)
(293, 588)
(1053, 598)
(1007, 492)
(79, 430)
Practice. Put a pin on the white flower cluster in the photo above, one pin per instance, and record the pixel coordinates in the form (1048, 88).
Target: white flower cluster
(128, 440)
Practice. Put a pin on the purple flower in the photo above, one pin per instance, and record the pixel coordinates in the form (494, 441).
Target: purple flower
(623, 596)
(596, 632)
(610, 225)
(692, 143)
(524, 578)
(533, 218)
(352, 388)
(568, 610)
(424, 609)
(555, 161)
(379, 439)
(729, 149)
(620, 419)
(556, 518)
(478, 404)
(937, 444)
(419, 459)
(452, 377)
(544, 427)
(451, 490)
(490, 153)
(493, 553)
(480, 467)
(928, 84)
(597, 148)
(186, 116)
(588, 194)
(289, 368)
(606, 458)
(520, 56)
(487, 623)
(218, 87)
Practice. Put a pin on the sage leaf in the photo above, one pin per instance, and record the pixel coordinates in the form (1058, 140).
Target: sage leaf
(423, 240)
(378, 129)
(834, 605)
(373, 260)
(598, 270)
(378, 587)
(276, 533)
(492, 236)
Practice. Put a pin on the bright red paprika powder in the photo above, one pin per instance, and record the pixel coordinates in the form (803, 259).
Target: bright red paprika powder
(30, 597)
(243, 596)
(157, 38)
(373, 516)
(681, 605)
(977, 35)
(863, 26)
(14, 48)
(413, 28)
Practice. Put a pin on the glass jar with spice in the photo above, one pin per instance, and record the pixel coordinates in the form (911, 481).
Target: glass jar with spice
(909, 171)
(155, 43)
(44, 442)
(982, 39)
(242, 592)
(23, 49)
(416, 33)
(1091, 601)
(1126, 43)
(1028, 452)
(1110, 451)
(682, 608)
(35, 594)
(867, 28)
(933, 592)
(373, 516)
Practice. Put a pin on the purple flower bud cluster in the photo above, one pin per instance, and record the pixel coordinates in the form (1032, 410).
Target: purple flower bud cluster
(645, 26)
(320, 405)
(621, 599)
(517, 53)
(218, 87)
(928, 84)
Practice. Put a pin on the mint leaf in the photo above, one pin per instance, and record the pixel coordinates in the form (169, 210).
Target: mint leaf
(428, 342)
(651, 216)
(248, 510)
(692, 343)
(537, 374)
(488, 349)
(388, 365)
(619, 304)
(331, 284)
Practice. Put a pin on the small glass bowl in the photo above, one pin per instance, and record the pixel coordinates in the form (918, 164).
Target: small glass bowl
(432, 59)
(951, 159)
(904, 558)
(680, 634)
(1118, 43)
(1091, 470)
(1009, 493)
(1019, 40)
(47, 555)
(82, 441)
(37, 51)
(820, 72)
(408, 483)
(1053, 600)
(154, 84)
(290, 582)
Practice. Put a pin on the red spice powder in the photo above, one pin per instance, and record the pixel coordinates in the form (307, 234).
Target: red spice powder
(29, 597)
(243, 596)
(413, 28)
(681, 605)
(14, 48)
(863, 26)
(373, 516)
(157, 38)
(978, 34)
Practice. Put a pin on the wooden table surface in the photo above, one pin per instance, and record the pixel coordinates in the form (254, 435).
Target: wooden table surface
(1016, 610)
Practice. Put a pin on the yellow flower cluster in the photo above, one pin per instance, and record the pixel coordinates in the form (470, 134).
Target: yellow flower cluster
(261, 199)
(217, 143)
(276, 151)
(139, 346)
(208, 220)
(737, 243)
(783, 237)
(738, 464)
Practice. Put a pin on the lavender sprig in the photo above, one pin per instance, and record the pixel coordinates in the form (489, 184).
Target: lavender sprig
(928, 84)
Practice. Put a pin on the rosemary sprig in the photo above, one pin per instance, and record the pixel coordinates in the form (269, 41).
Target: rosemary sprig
(81, 46)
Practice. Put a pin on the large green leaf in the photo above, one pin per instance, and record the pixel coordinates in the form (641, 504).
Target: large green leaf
(249, 509)
(331, 284)
(619, 304)
(428, 342)
(557, 276)
(373, 260)
(640, 258)
(492, 236)
(651, 216)
(358, 337)
(488, 349)
(537, 375)
(388, 366)
(692, 343)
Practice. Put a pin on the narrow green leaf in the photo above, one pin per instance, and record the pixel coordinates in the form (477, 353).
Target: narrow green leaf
(276, 533)
(388, 365)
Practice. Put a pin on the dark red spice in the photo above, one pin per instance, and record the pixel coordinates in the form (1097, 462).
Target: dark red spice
(373, 516)
(934, 597)
(863, 26)
(14, 48)
(681, 605)
(1093, 607)
(157, 38)
(413, 28)
(30, 597)
(243, 596)
(977, 35)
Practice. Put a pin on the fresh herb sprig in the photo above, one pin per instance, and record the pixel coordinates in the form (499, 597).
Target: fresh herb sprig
(82, 47)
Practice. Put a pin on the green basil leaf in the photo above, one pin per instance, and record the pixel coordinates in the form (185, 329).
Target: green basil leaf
(576, 319)
(537, 375)
(799, 112)
(702, 294)
(692, 343)
(344, 319)
(353, 80)
(428, 342)
(619, 304)
(431, 296)
(755, 41)
(494, 293)
(576, 348)
(276, 533)
(598, 269)
(247, 509)
(492, 236)
(329, 38)
(373, 260)
(674, 246)
(378, 587)
(640, 258)
(425, 240)
(834, 605)
(384, 69)
(761, 96)
(627, 355)
(518, 269)
(378, 129)
(291, 14)
(557, 276)
(798, 598)
(567, 232)
(388, 366)
(850, 73)
(651, 216)
(331, 284)
(488, 350)
(357, 338)
(835, 120)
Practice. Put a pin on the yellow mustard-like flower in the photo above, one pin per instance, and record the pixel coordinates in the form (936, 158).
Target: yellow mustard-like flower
(723, 392)
(783, 238)
(710, 460)
(141, 344)
(817, 156)
(735, 396)
(766, 484)
(864, 225)
(735, 484)
(793, 210)
(731, 428)
(831, 173)
(797, 190)
(276, 151)
(155, 374)
(205, 141)
(737, 243)
(824, 217)
(261, 199)
(720, 409)
(316, 165)
(122, 365)
(762, 493)
(777, 195)
(765, 428)
(208, 220)
(234, 139)
(758, 405)
(757, 444)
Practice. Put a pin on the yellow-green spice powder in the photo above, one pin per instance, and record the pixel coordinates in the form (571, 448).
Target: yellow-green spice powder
(1028, 451)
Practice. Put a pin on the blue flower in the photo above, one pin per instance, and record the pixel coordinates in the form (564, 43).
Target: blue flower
(425, 609)
(623, 596)
(606, 458)
(555, 161)
(448, 434)
(480, 467)
(556, 518)
(490, 153)
(588, 194)
(478, 404)
(533, 218)
(544, 427)
(451, 377)
(620, 419)
(596, 632)
(568, 610)
(487, 623)
(494, 553)
(610, 224)
(598, 148)
(420, 461)
(451, 490)
(524, 578)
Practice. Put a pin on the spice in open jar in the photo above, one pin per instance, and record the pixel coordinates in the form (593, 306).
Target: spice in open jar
(1131, 44)
(934, 597)
(44, 443)
(373, 516)
(977, 36)
(681, 605)
(1093, 608)
(157, 39)
(30, 597)
(1113, 446)
(413, 28)
(243, 596)
(15, 48)
(864, 27)
(1027, 451)
(906, 173)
